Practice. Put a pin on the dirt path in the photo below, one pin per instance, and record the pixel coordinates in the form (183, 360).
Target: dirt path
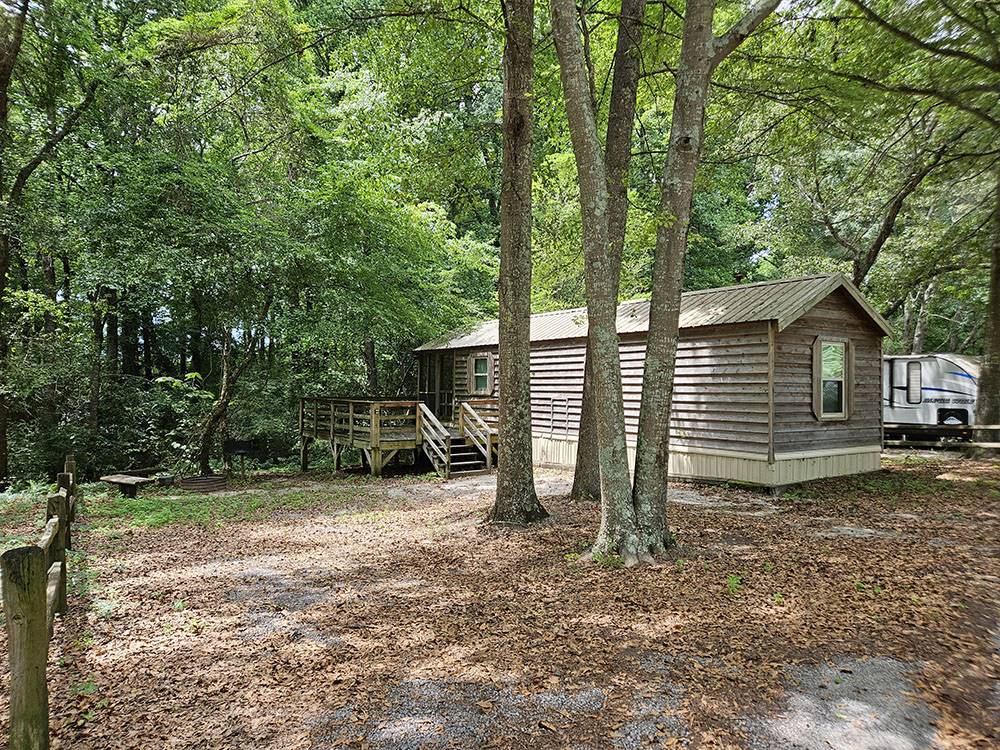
(856, 614)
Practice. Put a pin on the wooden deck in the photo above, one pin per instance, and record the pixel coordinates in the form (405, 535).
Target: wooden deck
(380, 429)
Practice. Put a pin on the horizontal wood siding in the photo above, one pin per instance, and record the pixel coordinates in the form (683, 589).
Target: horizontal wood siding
(796, 428)
(462, 371)
(716, 368)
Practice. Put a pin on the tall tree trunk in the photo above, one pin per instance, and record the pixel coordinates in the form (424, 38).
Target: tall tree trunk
(587, 473)
(182, 354)
(7, 246)
(47, 412)
(701, 52)
(97, 326)
(687, 127)
(371, 365)
(148, 344)
(988, 399)
(617, 533)
(112, 338)
(923, 318)
(230, 376)
(618, 156)
(516, 501)
(196, 340)
(130, 342)
(906, 335)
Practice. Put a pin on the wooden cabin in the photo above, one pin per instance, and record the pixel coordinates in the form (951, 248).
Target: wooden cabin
(776, 383)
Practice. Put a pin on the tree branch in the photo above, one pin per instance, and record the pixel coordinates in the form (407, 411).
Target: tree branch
(17, 188)
(915, 41)
(743, 28)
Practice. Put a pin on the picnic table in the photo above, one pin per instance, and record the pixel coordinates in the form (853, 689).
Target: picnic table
(126, 483)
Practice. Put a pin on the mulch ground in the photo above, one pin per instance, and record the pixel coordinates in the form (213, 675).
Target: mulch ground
(392, 617)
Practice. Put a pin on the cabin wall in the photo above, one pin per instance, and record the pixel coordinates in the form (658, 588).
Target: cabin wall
(796, 429)
(717, 368)
(720, 390)
(462, 372)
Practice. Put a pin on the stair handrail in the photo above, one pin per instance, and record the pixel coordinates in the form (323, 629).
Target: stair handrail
(436, 436)
(475, 428)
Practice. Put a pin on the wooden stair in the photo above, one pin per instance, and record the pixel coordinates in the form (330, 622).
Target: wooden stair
(463, 451)
(466, 459)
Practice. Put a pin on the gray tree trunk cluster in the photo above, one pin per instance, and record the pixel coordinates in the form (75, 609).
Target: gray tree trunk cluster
(633, 516)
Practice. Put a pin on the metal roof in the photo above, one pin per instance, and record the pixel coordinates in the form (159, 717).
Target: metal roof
(783, 300)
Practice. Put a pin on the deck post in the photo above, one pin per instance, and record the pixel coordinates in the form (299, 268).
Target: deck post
(304, 453)
(376, 439)
(315, 417)
(418, 425)
(350, 422)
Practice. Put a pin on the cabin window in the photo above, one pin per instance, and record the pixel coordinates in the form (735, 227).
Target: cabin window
(832, 379)
(481, 372)
(914, 383)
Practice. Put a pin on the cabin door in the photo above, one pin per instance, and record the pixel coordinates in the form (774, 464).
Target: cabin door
(446, 387)
(437, 384)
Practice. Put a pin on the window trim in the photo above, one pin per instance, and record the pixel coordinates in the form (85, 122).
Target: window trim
(473, 391)
(920, 382)
(817, 379)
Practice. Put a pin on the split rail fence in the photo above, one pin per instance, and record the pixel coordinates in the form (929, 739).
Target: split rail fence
(33, 592)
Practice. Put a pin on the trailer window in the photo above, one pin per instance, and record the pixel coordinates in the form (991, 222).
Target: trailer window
(914, 384)
(833, 378)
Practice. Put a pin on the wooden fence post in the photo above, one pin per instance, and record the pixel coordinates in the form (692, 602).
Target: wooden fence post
(67, 483)
(58, 507)
(24, 584)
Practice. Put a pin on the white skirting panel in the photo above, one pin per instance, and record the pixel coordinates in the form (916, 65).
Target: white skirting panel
(733, 466)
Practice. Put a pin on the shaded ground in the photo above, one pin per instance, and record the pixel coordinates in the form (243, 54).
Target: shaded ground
(317, 613)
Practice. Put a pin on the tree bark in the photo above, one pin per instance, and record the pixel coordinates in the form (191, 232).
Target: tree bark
(988, 399)
(587, 473)
(148, 344)
(617, 533)
(130, 342)
(113, 335)
(371, 365)
(701, 52)
(923, 318)
(516, 500)
(687, 128)
(618, 157)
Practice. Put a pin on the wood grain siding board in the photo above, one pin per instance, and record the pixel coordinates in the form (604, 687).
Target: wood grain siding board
(715, 368)
(795, 426)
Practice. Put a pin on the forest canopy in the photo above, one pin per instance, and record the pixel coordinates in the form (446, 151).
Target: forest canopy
(212, 208)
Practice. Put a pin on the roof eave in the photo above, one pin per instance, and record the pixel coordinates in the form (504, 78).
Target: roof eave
(838, 281)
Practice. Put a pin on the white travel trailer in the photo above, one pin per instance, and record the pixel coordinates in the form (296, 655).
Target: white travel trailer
(929, 396)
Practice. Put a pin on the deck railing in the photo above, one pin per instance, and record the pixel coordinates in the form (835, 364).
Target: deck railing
(358, 419)
(475, 428)
(436, 439)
